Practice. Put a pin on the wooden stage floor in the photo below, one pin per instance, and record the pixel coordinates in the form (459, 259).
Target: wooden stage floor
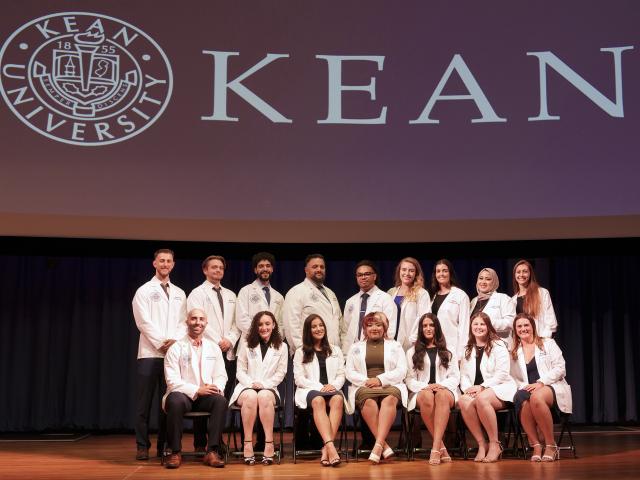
(614, 454)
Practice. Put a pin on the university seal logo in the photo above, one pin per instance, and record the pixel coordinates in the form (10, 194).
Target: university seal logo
(84, 78)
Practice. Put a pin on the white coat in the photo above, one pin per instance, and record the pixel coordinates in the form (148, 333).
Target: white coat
(180, 368)
(218, 326)
(251, 300)
(551, 367)
(546, 322)
(307, 375)
(495, 370)
(454, 320)
(501, 310)
(378, 301)
(410, 313)
(157, 317)
(395, 369)
(418, 380)
(303, 300)
(252, 368)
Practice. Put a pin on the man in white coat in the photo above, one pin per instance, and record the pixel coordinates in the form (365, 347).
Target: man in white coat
(196, 377)
(311, 296)
(369, 299)
(219, 303)
(259, 295)
(159, 309)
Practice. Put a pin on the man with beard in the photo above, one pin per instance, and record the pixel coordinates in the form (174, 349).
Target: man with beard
(259, 295)
(311, 296)
(196, 377)
(159, 309)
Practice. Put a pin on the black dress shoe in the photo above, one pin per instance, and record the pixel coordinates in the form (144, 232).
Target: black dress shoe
(142, 454)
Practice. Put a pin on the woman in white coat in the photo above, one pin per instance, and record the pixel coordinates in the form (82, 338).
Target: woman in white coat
(499, 306)
(539, 371)
(262, 365)
(451, 305)
(432, 379)
(532, 299)
(318, 371)
(486, 384)
(411, 298)
(376, 368)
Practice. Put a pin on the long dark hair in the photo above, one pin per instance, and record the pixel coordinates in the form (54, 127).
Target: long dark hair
(421, 344)
(253, 337)
(308, 349)
(491, 334)
(453, 280)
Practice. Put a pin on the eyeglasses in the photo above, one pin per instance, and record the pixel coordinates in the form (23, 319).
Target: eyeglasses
(364, 274)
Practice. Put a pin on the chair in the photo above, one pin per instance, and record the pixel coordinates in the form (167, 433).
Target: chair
(512, 439)
(236, 419)
(342, 443)
(460, 446)
(565, 426)
(403, 442)
(192, 416)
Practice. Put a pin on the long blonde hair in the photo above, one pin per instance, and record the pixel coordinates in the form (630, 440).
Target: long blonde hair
(538, 340)
(418, 281)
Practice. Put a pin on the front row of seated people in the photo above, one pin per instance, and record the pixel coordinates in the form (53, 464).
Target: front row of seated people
(428, 377)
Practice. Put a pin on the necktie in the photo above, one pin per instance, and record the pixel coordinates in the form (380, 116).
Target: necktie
(363, 309)
(321, 288)
(267, 294)
(218, 291)
(165, 287)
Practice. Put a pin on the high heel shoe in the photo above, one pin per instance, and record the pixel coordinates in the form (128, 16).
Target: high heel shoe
(479, 458)
(488, 459)
(324, 460)
(388, 452)
(434, 457)
(374, 457)
(265, 459)
(249, 460)
(444, 455)
(536, 458)
(336, 461)
(551, 458)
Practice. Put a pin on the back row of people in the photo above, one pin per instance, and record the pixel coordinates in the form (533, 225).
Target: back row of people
(160, 308)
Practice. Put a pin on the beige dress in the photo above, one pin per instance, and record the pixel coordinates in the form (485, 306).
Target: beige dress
(375, 366)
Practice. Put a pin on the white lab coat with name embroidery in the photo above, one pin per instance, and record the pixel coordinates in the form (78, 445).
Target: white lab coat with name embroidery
(303, 300)
(251, 300)
(454, 319)
(551, 367)
(157, 317)
(218, 326)
(410, 313)
(501, 310)
(495, 369)
(180, 368)
(378, 301)
(395, 369)
(252, 368)
(546, 322)
(418, 380)
(307, 375)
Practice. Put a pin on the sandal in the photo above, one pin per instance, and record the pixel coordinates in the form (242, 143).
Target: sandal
(249, 460)
(488, 459)
(323, 460)
(479, 458)
(336, 461)
(444, 455)
(373, 457)
(265, 459)
(434, 457)
(388, 452)
(536, 458)
(551, 458)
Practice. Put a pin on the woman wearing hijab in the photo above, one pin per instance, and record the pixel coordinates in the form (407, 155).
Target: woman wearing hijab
(500, 308)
